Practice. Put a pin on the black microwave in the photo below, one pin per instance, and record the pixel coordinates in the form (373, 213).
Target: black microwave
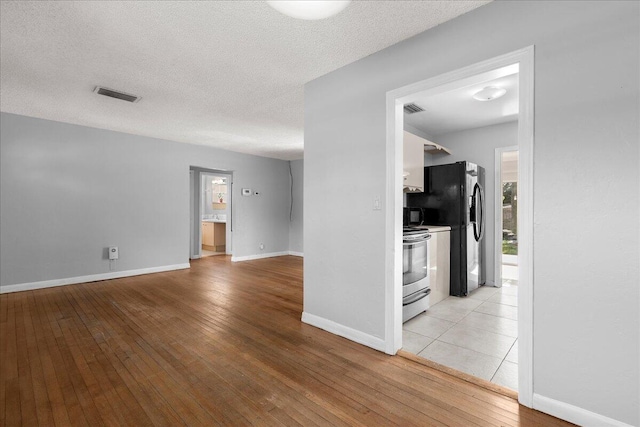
(412, 217)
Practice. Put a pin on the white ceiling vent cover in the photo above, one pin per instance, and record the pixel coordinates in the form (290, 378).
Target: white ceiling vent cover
(412, 108)
(116, 94)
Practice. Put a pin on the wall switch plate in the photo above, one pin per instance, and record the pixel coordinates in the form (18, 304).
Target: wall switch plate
(246, 191)
(377, 205)
(113, 252)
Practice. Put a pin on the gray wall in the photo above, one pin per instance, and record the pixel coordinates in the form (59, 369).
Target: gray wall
(586, 323)
(67, 192)
(478, 146)
(295, 226)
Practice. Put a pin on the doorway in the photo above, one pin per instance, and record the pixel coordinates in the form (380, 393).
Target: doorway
(211, 212)
(396, 100)
(214, 210)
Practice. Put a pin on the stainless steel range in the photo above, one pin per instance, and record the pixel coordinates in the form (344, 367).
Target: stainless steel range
(415, 272)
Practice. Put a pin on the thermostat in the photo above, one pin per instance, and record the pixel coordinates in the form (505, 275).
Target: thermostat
(246, 191)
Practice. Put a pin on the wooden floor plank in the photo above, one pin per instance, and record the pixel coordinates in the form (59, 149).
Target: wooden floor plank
(218, 344)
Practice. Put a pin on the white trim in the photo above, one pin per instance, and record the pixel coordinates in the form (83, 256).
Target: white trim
(300, 254)
(525, 226)
(343, 331)
(393, 225)
(395, 99)
(498, 212)
(574, 414)
(90, 278)
(196, 257)
(258, 256)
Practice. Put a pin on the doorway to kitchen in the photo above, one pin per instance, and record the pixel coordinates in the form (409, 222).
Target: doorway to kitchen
(470, 316)
(211, 207)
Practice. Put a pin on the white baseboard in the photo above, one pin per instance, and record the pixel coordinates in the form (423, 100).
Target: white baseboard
(574, 414)
(344, 331)
(257, 256)
(260, 256)
(90, 278)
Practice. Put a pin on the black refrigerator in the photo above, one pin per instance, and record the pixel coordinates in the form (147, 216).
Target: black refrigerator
(454, 196)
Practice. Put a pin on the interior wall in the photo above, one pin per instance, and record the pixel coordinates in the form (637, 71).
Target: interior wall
(67, 192)
(296, 241)
(478, 146)
(586, 340)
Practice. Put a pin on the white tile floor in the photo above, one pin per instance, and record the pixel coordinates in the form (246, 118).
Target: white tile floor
(477, 334)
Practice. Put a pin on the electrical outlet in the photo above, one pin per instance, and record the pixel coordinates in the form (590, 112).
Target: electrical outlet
(113, 252)
(261, 246)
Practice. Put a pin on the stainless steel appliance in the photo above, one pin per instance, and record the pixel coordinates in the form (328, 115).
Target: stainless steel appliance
(415, 272)
(454, 195)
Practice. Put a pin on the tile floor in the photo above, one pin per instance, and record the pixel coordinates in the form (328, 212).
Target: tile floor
(477, 334)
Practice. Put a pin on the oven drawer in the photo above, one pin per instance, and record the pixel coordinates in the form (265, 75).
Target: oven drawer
(415, 286)
(415, 304)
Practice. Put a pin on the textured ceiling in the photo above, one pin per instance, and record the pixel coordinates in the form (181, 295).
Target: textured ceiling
(457, 110)
(228, 74)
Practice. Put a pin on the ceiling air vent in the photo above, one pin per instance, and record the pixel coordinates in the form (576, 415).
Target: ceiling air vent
(412, 108)
(116, 94)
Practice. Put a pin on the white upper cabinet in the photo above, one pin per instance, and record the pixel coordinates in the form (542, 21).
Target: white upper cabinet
(413, 166)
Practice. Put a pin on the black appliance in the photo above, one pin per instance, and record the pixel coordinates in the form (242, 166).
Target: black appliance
(454, 196)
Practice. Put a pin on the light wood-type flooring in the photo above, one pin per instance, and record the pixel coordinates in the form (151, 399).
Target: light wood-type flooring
(218, 344)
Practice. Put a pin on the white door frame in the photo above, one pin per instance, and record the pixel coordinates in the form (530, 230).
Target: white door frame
(195, 240)
(498, 212)
(393, 211)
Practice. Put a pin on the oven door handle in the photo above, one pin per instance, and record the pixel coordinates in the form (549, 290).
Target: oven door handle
(406, 240)
(416, 297)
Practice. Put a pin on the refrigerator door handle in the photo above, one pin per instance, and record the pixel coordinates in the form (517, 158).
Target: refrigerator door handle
(482, 216)
(478, 210)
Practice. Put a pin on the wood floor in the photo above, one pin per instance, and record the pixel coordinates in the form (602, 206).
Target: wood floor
(218, 344)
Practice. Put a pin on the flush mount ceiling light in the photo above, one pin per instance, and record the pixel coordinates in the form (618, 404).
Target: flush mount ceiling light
(489, 93)
(309, 10)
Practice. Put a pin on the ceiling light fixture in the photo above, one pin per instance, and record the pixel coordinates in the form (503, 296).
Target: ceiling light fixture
(309, 10)
(489, 93)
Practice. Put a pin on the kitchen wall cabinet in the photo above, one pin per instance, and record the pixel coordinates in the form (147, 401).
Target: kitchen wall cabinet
(413, 163)
(439, 265)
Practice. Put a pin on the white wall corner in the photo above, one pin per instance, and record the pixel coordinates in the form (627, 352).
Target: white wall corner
(344, 331)
(574, 414)
(90, 278)
(300, 254)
